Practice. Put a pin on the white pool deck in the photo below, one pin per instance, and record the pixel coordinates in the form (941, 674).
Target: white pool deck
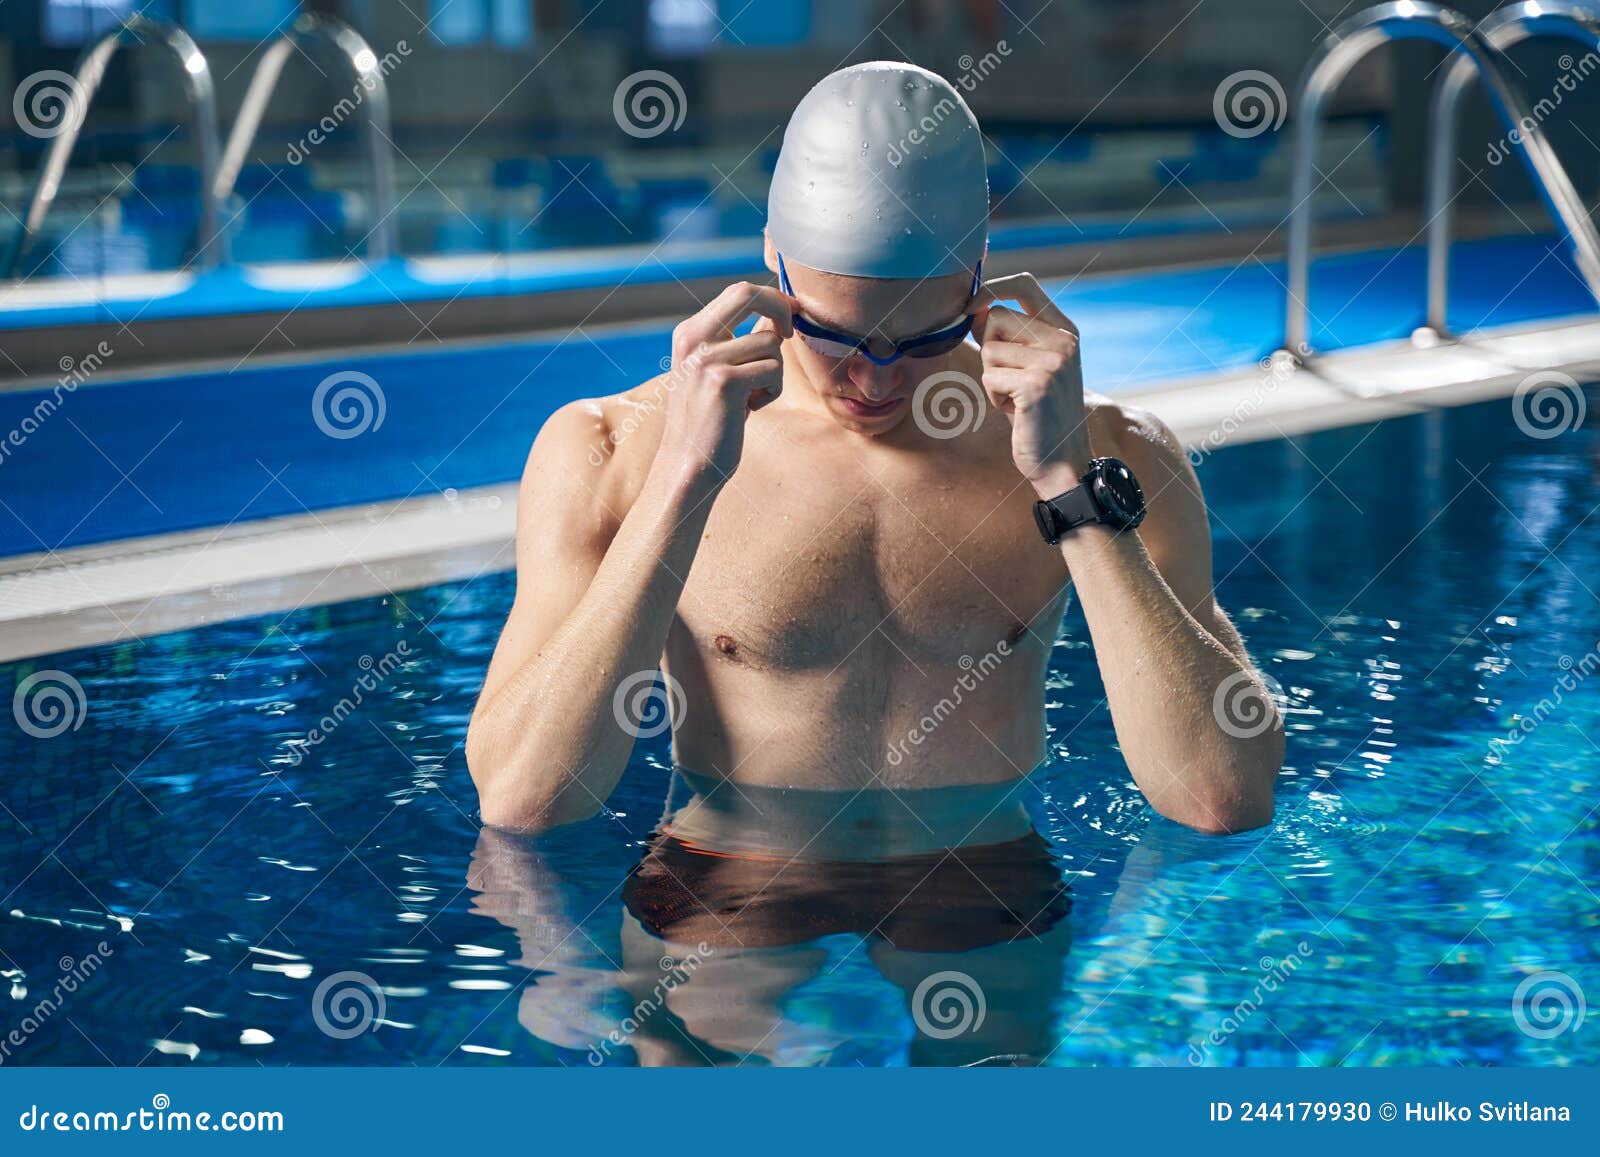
(60, 600)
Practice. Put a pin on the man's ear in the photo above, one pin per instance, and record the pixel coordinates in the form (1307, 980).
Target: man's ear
(769, 253)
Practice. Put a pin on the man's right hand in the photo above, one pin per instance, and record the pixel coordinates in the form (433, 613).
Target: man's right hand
(718, 379)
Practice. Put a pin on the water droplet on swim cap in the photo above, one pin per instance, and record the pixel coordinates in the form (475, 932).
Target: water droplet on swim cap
(926, 220)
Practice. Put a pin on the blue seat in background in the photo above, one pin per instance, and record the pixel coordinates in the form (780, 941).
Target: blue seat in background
(1218, 157)
(680, 207)
(297, 224)
(160, 211)
(255, 180)
(518, 172)
(584, 206)
(163, 197)
(155, 181)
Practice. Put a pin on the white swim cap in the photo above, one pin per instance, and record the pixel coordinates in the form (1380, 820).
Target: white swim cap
(881, 174)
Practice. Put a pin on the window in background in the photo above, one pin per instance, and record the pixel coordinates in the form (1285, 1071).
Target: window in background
(507, 23)
(237, 19)
(770, 24)
(513, 22)
(68, 23)
(685, 27)
(681, 27)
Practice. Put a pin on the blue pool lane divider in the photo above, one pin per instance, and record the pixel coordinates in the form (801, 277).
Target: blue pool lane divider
(108, 459)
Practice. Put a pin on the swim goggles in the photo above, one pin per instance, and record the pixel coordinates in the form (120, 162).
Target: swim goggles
(833, 343)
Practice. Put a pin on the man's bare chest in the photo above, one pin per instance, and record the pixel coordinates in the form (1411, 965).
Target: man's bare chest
(801, 572)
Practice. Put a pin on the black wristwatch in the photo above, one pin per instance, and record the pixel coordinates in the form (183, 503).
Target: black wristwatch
(1109, 494)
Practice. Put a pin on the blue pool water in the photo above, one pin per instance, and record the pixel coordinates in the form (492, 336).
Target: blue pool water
(1416, 587)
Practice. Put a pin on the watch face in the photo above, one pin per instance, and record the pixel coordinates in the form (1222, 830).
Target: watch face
(1118, 492)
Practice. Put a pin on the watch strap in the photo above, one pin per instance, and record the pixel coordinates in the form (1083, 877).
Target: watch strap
(1065, 512)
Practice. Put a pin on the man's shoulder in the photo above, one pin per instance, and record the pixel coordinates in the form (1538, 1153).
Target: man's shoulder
(602, 446)
(1131, 433)
(616, 427)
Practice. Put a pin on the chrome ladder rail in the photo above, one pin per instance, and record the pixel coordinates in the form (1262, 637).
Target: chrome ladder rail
(366, 72)
(86, 80)
(1349, 43)
(1503, 28)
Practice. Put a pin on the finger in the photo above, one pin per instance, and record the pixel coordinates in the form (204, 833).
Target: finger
(752, 347)
(739, 300)
(765, 374)
(999, 386)
(988, 323)
(1025, 290)
(1017, 355)
(764, 397)
(763, 379)
(1004, 324)
(1011, 388)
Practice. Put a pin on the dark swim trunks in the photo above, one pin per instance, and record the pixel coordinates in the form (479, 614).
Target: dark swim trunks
(944, 901)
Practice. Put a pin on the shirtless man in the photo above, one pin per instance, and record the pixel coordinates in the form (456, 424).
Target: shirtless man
(790, 526)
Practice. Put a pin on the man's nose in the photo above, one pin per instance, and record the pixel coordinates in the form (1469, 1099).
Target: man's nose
(876, 383)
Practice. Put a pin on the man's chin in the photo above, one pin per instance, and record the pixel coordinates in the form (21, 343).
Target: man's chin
(863, 420)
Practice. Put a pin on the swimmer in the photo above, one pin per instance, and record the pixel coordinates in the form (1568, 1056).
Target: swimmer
(848, 535)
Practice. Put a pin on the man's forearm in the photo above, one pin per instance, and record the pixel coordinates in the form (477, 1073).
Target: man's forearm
(1162, 670)
(547, 748)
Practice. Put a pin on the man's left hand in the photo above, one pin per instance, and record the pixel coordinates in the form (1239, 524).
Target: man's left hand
(1031, 371)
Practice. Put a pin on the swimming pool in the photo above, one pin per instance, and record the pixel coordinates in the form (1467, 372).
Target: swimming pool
(117, 457)
(234, 819)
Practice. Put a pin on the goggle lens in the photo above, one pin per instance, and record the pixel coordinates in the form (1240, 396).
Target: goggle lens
(829, 348)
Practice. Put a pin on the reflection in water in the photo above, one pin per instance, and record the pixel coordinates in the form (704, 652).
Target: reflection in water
(1428, 866)
(745, 899)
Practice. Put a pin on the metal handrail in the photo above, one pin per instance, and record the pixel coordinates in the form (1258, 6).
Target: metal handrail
(1503, 28)
(1354, 39)
(86, 80)
(367, 74)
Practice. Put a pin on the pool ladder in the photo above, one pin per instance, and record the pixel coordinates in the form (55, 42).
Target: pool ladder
(1476, 52)
(86, 80)
(377, 141)
(217, 179)
(1503, 28)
